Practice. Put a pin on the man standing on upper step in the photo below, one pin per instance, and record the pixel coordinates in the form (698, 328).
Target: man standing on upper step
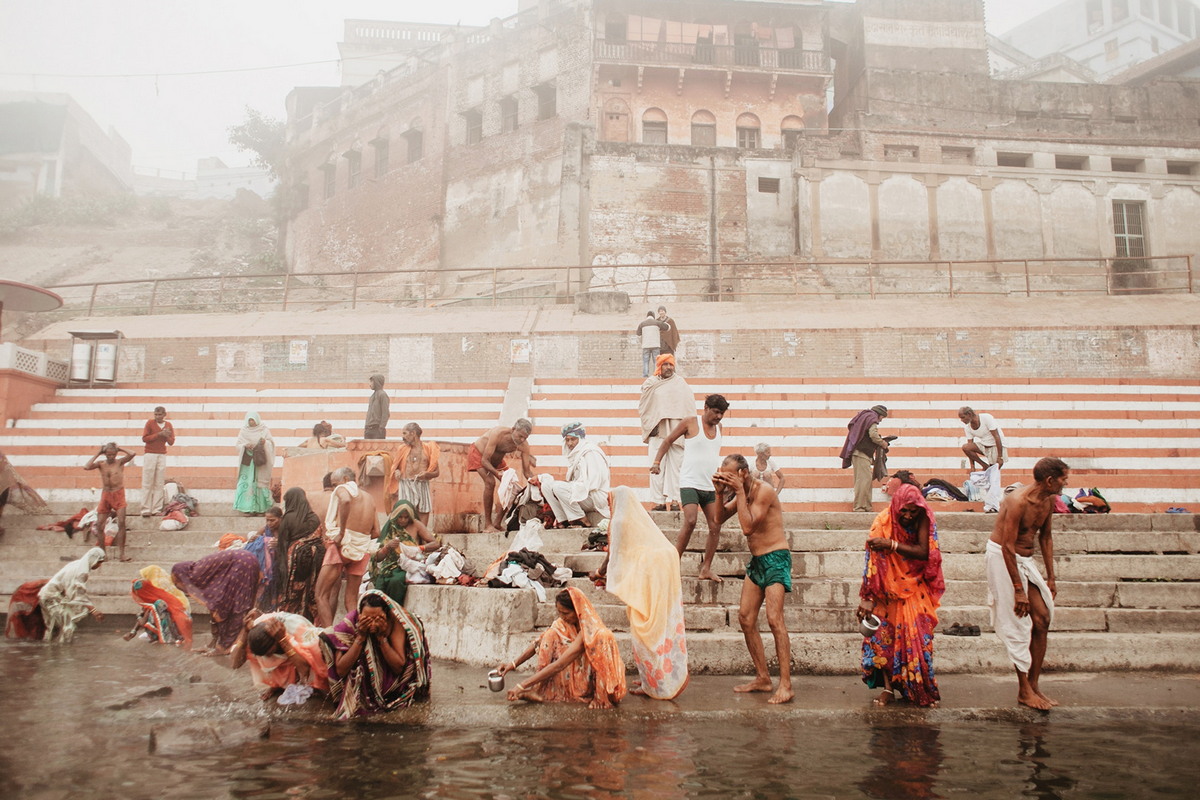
(157, 435)
(701, 459)
(1020, 599)
(864, 449)
(666, 400)
(768, 575)
(651, 330)
(378, 411)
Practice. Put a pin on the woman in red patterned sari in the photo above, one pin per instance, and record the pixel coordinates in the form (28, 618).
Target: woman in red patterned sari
(903, 586)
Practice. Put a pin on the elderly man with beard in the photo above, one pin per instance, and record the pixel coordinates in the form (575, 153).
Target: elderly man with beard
(586, 486)
(666, 401)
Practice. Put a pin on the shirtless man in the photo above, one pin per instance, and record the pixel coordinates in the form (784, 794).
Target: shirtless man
(112, 494)
(768, 575)
(1021, 601)
(486, 456)
(701, 458)
(348, 547)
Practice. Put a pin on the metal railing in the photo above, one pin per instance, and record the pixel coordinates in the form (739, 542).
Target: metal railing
(715, 282)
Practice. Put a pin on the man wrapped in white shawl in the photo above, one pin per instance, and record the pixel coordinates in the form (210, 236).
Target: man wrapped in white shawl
(64, 599)
(586, 486)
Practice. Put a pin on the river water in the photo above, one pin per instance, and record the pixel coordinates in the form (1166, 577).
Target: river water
(77, 722)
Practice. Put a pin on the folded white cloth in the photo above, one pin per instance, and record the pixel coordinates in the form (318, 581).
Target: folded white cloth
(1015, 632)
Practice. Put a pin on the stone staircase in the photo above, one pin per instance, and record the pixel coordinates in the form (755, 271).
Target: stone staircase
(1139, 442)
(1129, 589)
(1128, 595)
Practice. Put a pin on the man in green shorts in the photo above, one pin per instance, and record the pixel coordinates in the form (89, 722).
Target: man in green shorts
(769, 574)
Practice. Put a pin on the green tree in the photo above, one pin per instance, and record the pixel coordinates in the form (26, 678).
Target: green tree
(264, 137)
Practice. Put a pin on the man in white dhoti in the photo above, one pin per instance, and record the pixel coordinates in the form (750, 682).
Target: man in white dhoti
(666, 400)
(1020, 599)
(586, 486)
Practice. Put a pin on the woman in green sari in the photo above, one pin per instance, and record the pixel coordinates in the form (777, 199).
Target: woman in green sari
(256, 453)
(389, 564)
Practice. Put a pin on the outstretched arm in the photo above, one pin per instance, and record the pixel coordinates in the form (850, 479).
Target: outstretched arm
(572, 653)
(684, 426)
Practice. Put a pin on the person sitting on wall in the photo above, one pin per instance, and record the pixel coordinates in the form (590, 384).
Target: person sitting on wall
(587, 484)
(323, 438)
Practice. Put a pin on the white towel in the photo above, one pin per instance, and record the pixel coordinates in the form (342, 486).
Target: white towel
(1015, 632)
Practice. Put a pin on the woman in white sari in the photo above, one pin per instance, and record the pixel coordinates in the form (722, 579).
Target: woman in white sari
(586, 486)
(64, 599)
(256, 451)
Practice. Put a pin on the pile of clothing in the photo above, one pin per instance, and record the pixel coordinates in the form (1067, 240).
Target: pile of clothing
(1086, 501)
(179, 509)
(524, 566)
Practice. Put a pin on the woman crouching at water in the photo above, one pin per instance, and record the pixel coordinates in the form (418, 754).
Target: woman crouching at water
(578, 660)
(283, 650)
(377, 658)
(226, 582)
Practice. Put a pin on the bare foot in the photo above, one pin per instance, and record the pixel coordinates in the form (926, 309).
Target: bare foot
(783, 694)
(600, 702)
(756, 685)
(1033, 700)
(529, 695)
(492, 529)
(636, 688)
(1049, 700)
(709, 575)
(124, 559)
(886, 698)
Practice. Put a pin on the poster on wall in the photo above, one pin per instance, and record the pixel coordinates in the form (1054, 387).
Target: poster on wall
(239, 362)
(298, 352)
(520, 351)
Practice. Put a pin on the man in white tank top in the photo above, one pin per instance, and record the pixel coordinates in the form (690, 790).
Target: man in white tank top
(701, 459)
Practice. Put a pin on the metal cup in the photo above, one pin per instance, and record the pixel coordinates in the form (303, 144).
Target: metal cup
(496, 681)
(870, 623)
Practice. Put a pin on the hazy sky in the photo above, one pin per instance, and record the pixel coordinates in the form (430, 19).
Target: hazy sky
(121, 59)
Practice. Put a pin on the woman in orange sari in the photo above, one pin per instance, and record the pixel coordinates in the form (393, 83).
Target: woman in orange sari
(577, 659)
(166, 613)
(903, 586)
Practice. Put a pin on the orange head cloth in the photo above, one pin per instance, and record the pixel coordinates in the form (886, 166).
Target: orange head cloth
(663, 359)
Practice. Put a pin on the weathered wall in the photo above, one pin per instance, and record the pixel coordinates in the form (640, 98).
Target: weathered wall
(1124, 351)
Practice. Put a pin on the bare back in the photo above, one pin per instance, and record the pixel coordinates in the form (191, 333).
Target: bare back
(496, 444)
(357, 513)
(1024, 516)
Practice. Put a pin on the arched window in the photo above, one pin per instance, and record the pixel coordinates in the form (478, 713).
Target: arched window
(749, 132)
(792, 129)
(654, 126)
(704, 129)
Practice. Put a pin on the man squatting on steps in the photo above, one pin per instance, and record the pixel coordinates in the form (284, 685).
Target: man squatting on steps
(768, 575)
(701, 459)
(1020, 599)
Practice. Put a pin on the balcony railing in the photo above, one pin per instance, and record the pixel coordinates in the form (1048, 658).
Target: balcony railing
(713, 55)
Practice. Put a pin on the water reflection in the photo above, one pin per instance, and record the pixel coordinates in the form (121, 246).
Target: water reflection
(1044, 782)
(909, 760)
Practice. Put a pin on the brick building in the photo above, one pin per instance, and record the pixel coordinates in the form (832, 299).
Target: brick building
(661, 138)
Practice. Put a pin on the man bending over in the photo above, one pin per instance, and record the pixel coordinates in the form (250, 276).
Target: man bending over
(487, 455)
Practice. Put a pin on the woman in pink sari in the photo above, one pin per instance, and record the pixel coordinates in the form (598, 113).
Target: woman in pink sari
(282, 649)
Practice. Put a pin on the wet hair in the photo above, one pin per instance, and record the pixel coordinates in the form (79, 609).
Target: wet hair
(1049, 467)
(274, 511)
(563, 599)
(523, 424)
(738, 460)
(414, 427)
(110, 446)
(260, 641)
(716, 401)
(904, 476)
(374, 601)
(158, 409)
(327, 481)
(322, 428)
(344, 473)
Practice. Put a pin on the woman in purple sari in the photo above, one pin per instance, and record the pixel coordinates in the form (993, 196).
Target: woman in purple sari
(378, 658)
(227, 583)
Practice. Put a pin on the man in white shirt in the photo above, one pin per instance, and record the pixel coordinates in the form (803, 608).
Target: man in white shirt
(985, 440)
(651, 330)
